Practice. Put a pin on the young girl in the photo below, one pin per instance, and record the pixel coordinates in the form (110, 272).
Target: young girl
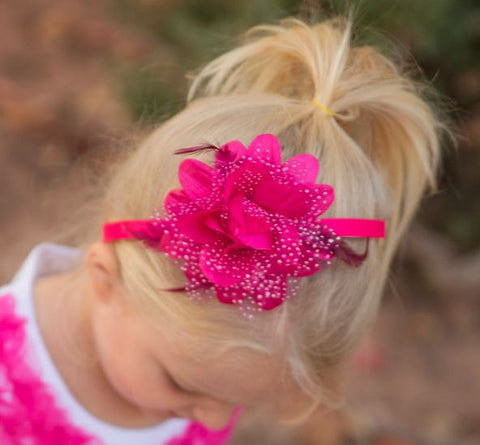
(223, 270)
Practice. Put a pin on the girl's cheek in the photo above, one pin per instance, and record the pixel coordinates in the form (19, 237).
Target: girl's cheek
(128, 379)
(149, 391)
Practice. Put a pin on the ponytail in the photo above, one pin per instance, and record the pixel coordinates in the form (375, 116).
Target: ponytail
(381, 123)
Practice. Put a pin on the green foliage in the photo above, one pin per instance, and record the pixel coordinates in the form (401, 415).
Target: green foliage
(190, 32)
(149, 97)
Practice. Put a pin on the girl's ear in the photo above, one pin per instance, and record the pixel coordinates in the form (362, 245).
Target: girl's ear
(103, 271)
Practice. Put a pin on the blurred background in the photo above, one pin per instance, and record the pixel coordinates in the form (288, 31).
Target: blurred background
(79, 76)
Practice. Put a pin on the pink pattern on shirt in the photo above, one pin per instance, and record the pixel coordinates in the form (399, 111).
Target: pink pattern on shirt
(28, 412)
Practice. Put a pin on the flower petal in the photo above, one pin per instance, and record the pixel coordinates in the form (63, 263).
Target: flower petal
(266, 147)
(304, 167)
(248, 225)
(309, 264)
(285, 199)
(201, 227)
(244, 179)
(323, 198)
(176, 197)
(196, 178)
(287, 249)
(222, 266)
(230, 152)
(271, 292)
(229, 295)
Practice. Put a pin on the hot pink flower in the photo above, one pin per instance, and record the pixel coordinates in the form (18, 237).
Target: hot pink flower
(248, 227)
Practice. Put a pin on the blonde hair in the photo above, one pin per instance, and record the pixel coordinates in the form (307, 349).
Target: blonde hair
(380, 152)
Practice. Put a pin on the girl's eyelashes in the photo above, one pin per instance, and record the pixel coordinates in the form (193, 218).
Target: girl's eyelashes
(175, 384)
(180, 388)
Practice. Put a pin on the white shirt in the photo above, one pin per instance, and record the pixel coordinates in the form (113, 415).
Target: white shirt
(44, 259)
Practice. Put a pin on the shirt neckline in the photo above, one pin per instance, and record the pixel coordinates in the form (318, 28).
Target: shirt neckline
(44, 259)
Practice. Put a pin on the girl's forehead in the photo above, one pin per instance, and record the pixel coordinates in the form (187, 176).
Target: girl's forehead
(234, 374)
(243, 378)
(200, 364)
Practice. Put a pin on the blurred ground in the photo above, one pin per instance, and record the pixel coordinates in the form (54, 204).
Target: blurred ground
(66, 90)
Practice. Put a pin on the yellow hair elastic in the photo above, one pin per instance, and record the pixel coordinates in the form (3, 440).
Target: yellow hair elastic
(323, 107)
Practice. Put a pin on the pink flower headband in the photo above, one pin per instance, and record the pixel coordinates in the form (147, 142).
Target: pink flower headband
(246, 229)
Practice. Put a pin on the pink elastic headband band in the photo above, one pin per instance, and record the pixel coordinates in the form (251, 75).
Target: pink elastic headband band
(344, 227)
